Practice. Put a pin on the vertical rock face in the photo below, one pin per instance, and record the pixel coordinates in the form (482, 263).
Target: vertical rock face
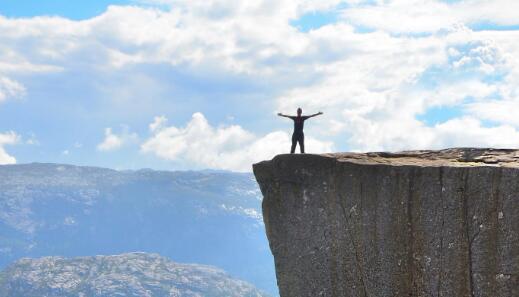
(424, 223)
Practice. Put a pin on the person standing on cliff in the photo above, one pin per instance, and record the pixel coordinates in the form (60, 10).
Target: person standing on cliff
(298, 135)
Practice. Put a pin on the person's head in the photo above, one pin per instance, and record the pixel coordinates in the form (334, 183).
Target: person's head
(299, 111)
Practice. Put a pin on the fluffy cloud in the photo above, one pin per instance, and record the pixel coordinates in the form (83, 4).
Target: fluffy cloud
(468, 131)
(223, 147)
(402, 16)
(377, 96)
(418, 16)
(114, 142)
(7, 138)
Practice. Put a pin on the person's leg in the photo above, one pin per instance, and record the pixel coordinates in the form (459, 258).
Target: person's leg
(294, 141)
(302, 143)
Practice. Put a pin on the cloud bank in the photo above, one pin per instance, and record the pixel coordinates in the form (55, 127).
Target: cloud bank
(389, 75)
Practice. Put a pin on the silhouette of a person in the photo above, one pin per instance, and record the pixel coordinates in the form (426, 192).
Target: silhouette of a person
(298, 136)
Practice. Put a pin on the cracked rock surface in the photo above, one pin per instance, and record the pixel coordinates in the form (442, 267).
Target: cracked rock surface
(420, 223)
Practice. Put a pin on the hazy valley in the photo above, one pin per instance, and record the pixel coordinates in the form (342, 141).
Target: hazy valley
(205, 217)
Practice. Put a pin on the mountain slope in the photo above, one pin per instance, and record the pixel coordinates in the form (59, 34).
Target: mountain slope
(134, 274)
(203, 217)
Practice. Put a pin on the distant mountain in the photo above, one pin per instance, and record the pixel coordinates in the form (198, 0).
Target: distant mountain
(129, 275)
(202, 217)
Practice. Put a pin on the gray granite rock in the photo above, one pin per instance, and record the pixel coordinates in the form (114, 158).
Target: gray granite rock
(421, 223)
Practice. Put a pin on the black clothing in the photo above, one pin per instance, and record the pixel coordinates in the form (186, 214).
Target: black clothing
(299, 123)
(298, 135)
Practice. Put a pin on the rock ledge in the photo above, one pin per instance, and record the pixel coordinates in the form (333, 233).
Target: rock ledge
(418, 223)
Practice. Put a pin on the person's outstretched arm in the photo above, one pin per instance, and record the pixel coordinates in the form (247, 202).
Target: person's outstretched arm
(284, 115)
(314, 115)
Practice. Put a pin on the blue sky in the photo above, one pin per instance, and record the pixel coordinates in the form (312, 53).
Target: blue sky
(177, 84)
(77, 10)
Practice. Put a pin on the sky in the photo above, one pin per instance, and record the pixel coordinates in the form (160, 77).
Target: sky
(197, 84)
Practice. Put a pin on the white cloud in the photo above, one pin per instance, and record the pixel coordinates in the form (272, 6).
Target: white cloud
(10, 89)
(223, 147)
(499, 111)
(114, 141)
(403, 16)
(373, 97)
(158, 123)
(407, 135)
(7, 138)
(468, 131)
(418, 16)
(373, 87)
(111, 141)
(500, 12)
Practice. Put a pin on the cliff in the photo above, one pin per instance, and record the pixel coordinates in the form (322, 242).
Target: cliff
(422, 223)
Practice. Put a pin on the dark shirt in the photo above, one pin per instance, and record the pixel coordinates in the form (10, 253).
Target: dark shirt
(299, 123)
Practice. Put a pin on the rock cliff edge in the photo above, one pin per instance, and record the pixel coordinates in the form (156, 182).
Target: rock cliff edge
(421, 223)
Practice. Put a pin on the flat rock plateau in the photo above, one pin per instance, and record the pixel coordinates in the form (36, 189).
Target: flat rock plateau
(408, 224)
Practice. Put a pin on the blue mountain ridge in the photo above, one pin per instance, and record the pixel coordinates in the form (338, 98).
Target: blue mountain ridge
(205, 217)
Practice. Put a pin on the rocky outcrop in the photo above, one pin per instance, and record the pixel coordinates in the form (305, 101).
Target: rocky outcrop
(422, 223)
(133, 274)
